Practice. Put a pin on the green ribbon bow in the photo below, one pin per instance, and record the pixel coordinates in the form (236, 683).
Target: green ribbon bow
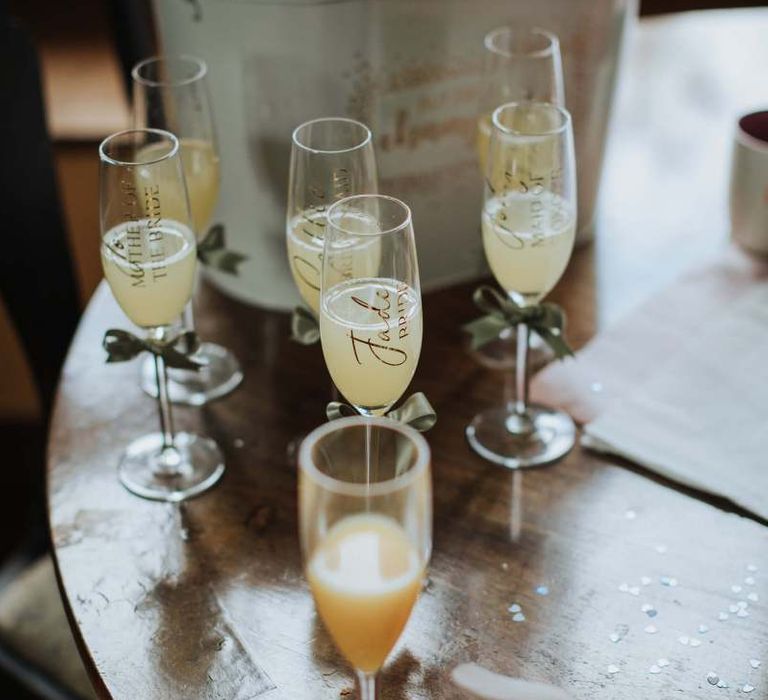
(212, 251)
(305, 329)
(415, 411)
(547, 319)
(122, 346)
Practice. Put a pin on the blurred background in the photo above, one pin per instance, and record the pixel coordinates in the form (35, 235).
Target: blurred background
(83, 51)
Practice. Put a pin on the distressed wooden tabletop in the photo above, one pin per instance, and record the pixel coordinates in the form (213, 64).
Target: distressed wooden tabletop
(614, 570)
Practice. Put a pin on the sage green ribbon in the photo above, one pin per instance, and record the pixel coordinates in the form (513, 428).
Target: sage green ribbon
(547, 319)
(212, 252)
(415, 411)
(122, 346)
(305, 329)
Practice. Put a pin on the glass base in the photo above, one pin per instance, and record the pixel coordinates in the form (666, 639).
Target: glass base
(501, 354)
(220, 375)
(499, 436)
(193, 467)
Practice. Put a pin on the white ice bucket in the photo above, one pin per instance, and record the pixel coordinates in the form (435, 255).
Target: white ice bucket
(410, 69)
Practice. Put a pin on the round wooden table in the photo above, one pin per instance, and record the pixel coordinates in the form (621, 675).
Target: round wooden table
(207, 599)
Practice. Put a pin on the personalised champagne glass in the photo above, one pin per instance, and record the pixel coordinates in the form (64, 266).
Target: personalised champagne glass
(148, 252)
(370, 301)
(331, 158)
(171, 93)
(365, 541)
(528, 227)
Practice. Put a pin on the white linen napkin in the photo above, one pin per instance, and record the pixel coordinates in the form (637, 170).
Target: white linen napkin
(702, 417)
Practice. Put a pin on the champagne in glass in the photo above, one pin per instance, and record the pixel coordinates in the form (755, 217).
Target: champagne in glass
(331, 158)
(170, 92)
(528, 225)
(148, 253)
(365, 541)
(370, 311)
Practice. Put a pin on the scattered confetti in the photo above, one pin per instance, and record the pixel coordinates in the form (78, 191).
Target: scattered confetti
(518, 617)
(733, 608)
(736, 589)
(663, 662)
(668, 581)
(649, 610)
(695, 643)
(619, 633)
(723, 616)
(750, 580)
(747, 688)
(613, 668)
(751, 568)
(614, 637)
(683, 640)
(753, 597)
(651, 629)
(596, 387)
(754, 663)
(238, 442)
(703, 629)
(661, 548)
(634, 590)
(742, 613)
(630, 515)
(542, 590)
(514, 608)
(713, 678)
(654, 669)
(646, 580)
(722, 684)
(743, 604)
(624, 587)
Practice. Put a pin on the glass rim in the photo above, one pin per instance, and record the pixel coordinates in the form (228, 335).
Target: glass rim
(564, 114)
(380, 488)
(174, 147)
(492, 35)
(346, 200)
(368, 136)
(199, 74)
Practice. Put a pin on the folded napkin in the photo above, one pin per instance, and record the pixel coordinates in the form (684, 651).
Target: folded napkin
(681, 385)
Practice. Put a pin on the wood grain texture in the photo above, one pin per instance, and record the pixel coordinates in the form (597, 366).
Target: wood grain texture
(208, 599)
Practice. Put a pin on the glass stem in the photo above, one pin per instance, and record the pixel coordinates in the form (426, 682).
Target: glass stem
(521, 371)
(367, 687)
(188, 317)
(169, 455)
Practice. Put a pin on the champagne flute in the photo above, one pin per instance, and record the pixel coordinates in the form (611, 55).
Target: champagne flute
(365, 542)
(331, 158)
(528, 228)
(522, 64)
(148, 252)
(370, 301)
(171, 93)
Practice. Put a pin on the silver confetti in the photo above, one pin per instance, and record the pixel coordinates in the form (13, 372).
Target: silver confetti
(754, 663)
(634, 590)
(747, 688)
(683, 640)
(619, 633)
(518, 617)
(646, 580)
(703, 629)
(612, 668)
(646, 607)
(663, 662)
(630, 515)
(542, 590)
(661, 548)
(713, 678)
(733, 608)
(750, 580)
(723, 616)
(654, 669)
(751, 568)
(742, 613)
(624, 587)
(514, 608)
(736, 589)
(596, 387)
(722, 684)
(614, 637)
(753, 597)
(695, 642)
(651, 629)
(668, 581)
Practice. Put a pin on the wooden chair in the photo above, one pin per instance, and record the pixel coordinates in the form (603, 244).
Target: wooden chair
(38, 286)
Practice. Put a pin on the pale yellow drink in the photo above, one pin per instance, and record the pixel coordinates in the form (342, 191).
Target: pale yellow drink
(528, 239)
(150, 267)
(365, 577)
(305, 234)
(200, 164)
(371, 331)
